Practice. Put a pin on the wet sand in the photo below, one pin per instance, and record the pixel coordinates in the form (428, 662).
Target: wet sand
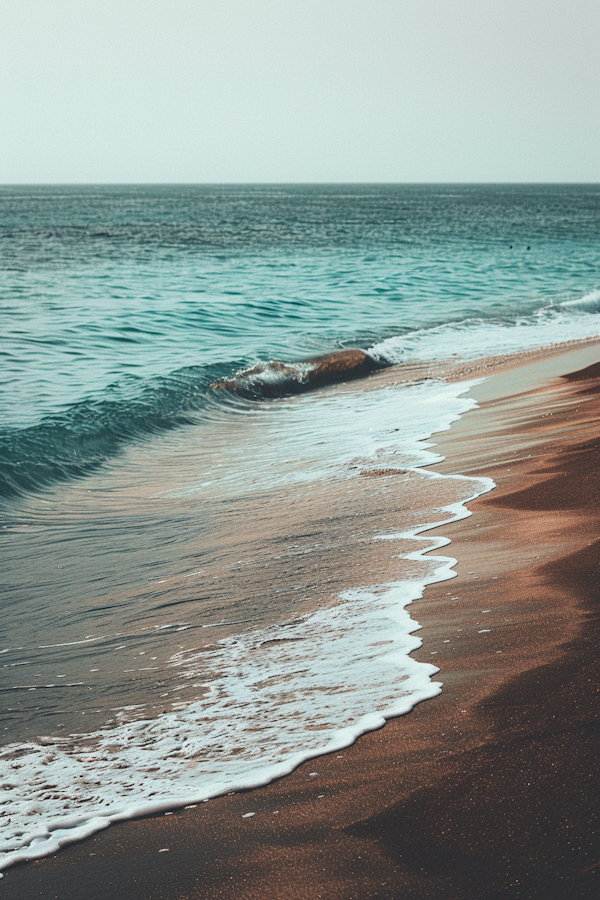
(489, 790)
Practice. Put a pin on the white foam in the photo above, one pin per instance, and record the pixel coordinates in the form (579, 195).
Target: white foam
(353, 425)
(276, 697)
(474, 339)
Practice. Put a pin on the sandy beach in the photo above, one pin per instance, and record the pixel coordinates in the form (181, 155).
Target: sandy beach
(489, 790)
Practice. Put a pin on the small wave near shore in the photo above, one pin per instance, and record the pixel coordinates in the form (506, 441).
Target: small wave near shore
(76, 441)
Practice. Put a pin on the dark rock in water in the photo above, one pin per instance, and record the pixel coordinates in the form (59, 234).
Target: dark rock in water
(275, 378)
(340, 365)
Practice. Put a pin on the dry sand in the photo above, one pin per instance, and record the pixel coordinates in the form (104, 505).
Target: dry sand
(489, 790)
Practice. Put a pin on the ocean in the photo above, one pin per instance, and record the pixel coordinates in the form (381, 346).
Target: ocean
(218, 409)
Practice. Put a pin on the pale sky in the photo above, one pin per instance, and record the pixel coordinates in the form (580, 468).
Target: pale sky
(299, 90)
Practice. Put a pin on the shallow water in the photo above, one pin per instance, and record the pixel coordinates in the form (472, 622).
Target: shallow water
(213, 634)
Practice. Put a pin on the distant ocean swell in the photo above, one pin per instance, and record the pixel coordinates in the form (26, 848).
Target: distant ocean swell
(74, 442)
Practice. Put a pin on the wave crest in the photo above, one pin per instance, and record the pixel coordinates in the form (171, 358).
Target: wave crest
(589, 303)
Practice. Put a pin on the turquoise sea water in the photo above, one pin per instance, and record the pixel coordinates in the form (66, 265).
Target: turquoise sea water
(120, 305)
(201, 588)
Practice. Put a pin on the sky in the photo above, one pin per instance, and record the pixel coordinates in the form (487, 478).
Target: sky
(143, 91)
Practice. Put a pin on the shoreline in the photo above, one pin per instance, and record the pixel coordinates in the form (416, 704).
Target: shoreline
(425, 806)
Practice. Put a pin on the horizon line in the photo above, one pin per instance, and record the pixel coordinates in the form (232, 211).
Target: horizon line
(9, 184)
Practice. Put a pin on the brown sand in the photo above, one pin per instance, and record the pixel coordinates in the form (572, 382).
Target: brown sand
(489, 790)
